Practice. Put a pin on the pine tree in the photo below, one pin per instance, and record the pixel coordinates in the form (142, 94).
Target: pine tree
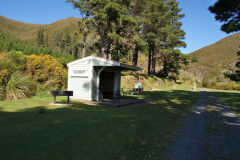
(173, 37)
(112, 22)
(40, 37)
(84, 7)
(139, 45)
(154, 22)
(46, 41)
(227, 11)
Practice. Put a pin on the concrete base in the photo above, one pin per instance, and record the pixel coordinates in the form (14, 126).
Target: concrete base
(124, 102)
(60, 104)
(120, 103)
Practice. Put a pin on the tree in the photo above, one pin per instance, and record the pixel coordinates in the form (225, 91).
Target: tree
(84, 25)
(138, 44)
(163, 32)
(154, 21)
(112, 22)
(115, 27)
(46, 40)
(67, 42)
(194, 58)
(40, 37)
(173, 38)
(237, 74)
(228, 11)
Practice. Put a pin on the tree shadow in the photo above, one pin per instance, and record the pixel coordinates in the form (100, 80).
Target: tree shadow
(91, 132)
(233, 99)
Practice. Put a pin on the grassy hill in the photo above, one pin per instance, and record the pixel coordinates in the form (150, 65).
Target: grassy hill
(54, 34)
(24, 31)
(214, 59)
(28, 31)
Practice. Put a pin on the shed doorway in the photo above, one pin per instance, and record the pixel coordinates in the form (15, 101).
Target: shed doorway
(106, 85)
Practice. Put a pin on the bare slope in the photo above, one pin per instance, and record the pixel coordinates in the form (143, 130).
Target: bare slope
(28, 31)
(216, 58)
(19, 29)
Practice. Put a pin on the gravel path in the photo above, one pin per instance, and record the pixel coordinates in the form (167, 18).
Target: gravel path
(211, 132)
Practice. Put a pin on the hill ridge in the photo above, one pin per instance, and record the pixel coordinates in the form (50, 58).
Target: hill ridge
(28, 31)
(216, 58)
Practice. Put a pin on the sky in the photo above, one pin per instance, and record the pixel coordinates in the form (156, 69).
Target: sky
(199, 24)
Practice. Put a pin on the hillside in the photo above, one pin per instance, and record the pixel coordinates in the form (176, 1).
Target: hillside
(9, 43)
(28, 31)
(24, 31)
(214, 59)
(63, 35)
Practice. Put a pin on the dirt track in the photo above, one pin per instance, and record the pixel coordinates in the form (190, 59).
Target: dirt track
(211, 132)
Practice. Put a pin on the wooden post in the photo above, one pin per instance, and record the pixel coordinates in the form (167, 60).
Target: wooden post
(68, 100)
(194, 85)
(54, 99)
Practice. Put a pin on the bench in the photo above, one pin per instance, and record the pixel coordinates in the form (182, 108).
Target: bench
(61, 93)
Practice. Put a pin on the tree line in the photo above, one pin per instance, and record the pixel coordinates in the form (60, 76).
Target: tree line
(59, 41)
(9, 43)
(126, 29)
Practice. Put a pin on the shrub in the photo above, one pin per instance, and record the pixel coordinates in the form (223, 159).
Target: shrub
(226, 86)
(17, 57)
(19, 86)
(2, 92)
(3, 76)
(10, 62)
(45, 69)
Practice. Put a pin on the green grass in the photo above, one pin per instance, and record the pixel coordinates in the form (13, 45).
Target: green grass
(231, 98)
(88, 132)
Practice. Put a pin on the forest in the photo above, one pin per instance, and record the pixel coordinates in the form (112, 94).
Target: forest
(125, 31)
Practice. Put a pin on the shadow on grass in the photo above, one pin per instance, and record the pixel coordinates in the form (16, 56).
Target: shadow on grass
(90, 132)
(230, 98)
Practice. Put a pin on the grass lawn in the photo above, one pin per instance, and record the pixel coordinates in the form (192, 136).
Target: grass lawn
(89, 132)
(231, 98)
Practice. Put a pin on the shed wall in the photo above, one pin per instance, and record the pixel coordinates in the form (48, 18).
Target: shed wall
(79, 80)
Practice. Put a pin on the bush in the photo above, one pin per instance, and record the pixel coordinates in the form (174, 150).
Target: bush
(225, 86)
(45, 69)
(10, 62)
(19, 86)
(3, 77)
(2, 92)
(17, 57)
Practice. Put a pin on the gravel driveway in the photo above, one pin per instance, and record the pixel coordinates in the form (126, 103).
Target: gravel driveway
(211, 132)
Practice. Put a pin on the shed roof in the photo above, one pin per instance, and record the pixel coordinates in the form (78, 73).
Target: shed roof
(106, 62)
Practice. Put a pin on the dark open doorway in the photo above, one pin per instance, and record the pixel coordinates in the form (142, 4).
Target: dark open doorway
(107, 84)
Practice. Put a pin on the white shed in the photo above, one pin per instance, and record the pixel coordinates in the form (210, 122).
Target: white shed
(87, 74)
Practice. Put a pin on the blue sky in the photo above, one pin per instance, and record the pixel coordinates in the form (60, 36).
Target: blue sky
(199, 24)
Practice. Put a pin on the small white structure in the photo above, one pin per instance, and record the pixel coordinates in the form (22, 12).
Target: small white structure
(86, 75)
